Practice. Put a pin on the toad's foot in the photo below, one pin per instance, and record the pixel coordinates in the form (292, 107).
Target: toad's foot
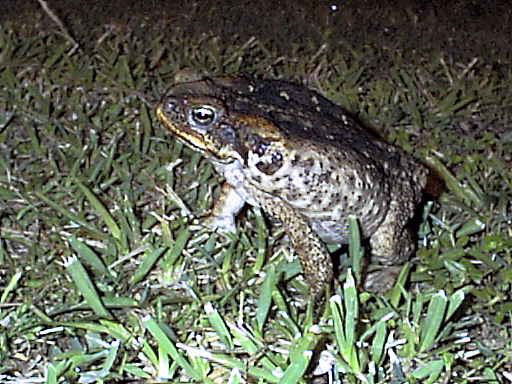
(382, 279)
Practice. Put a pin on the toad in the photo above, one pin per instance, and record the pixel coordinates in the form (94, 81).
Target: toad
(303, 160)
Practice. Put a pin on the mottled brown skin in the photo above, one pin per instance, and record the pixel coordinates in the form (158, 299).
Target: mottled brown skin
(304, 161)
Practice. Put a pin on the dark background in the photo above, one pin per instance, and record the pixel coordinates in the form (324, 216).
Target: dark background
(460, 29)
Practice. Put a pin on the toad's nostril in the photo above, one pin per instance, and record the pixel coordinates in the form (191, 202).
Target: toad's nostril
(170, 105)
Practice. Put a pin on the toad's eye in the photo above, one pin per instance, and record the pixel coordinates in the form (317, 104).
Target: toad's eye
(203, 115)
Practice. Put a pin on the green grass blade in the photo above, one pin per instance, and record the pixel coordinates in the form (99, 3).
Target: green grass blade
(51, 374)
(431, 370)
(351, 307)
(378, 343)
(265, 298)
(169, 348)
(465, 193)
(102, 212)
(13, 283)
(262, 232)
(345, 320)
(179, 245)
(398, 288)
(234, 363)
(86, 287)
(338, 315)
(219, 325)
(300, 356)
(432, 323)
(470, 228)
(72, 217)
(87, 255)
(148, 262)
(251, 345)
(454, 303)
(355, 250)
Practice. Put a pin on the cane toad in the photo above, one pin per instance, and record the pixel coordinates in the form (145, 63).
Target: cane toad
(303, 160)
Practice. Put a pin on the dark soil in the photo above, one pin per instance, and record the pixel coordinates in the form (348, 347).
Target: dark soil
(459, 29)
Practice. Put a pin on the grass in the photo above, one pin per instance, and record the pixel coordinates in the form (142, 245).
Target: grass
(106, 275)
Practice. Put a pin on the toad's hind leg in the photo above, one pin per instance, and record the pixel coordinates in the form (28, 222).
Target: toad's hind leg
(313, 255)
(391, 245)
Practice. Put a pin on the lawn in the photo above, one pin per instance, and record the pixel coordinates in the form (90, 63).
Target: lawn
(106, 273)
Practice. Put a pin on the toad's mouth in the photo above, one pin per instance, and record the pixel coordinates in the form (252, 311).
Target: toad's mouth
(201, 141)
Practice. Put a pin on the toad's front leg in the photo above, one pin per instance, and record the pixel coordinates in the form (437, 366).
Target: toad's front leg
(225, 209)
